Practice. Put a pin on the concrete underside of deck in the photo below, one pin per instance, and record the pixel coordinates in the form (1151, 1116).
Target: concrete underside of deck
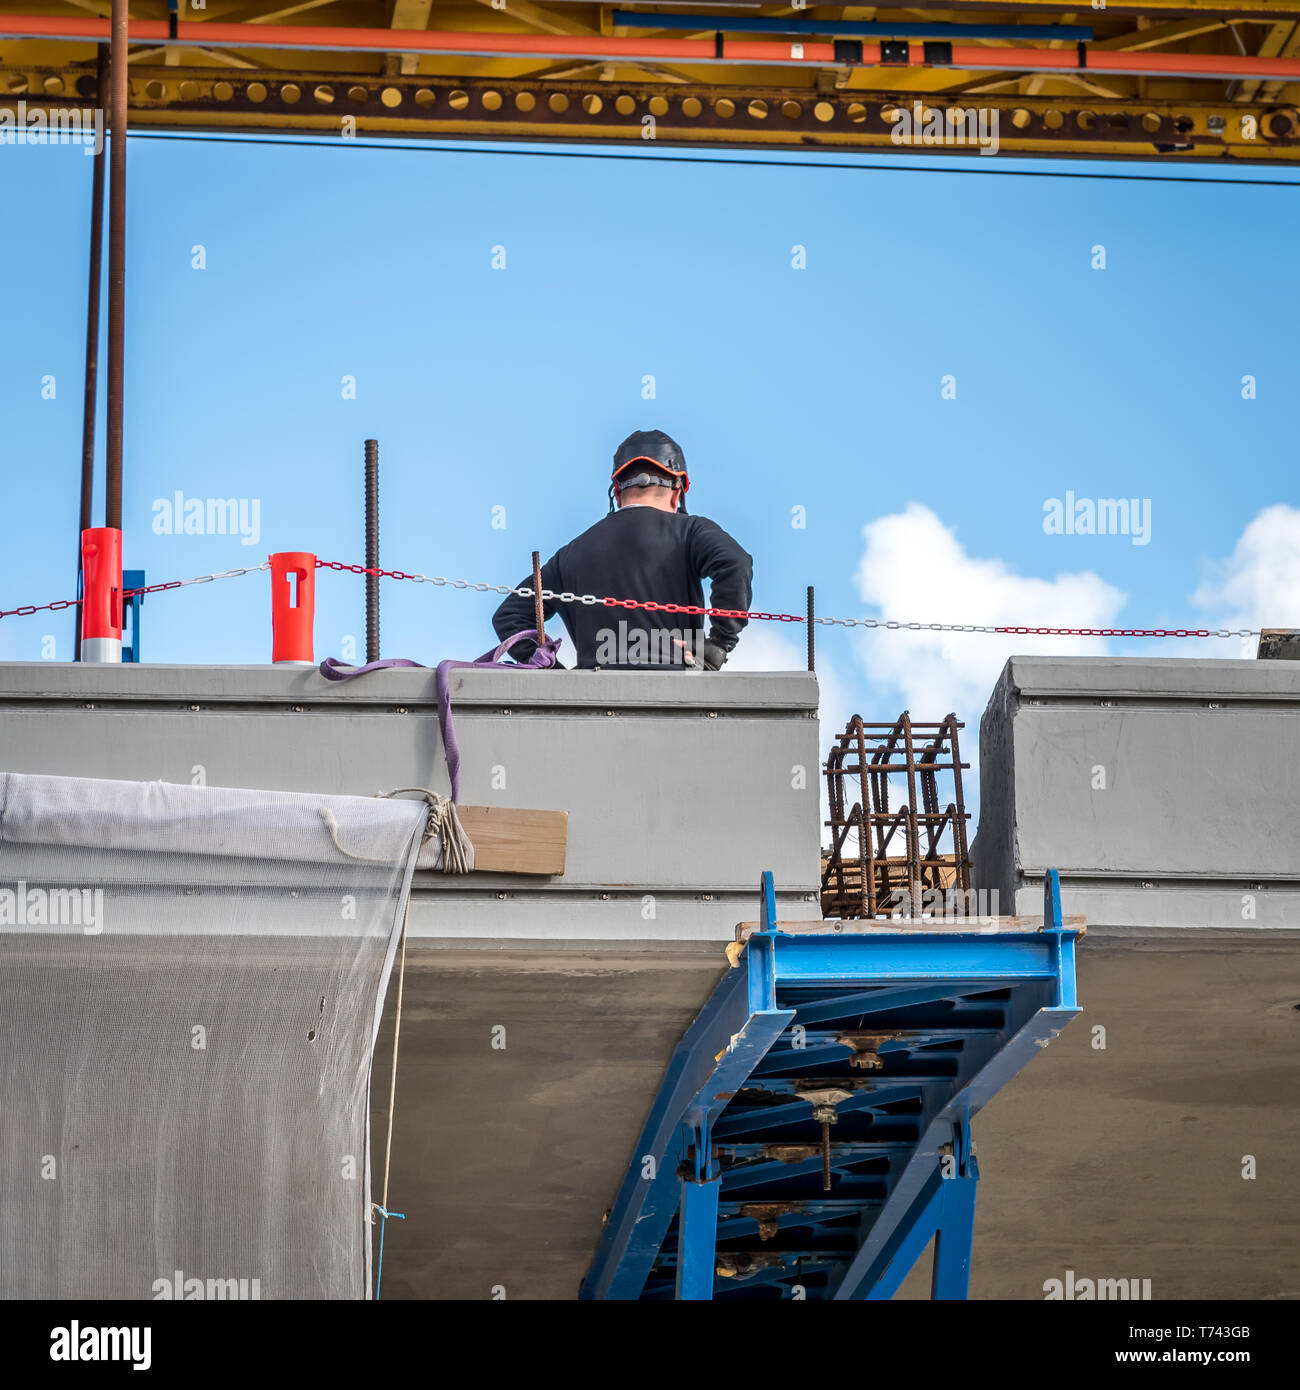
(1115, 1161)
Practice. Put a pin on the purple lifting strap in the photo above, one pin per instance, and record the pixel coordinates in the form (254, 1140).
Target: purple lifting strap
(543, 656)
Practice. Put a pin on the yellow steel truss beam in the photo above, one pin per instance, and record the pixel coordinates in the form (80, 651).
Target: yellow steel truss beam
(614, 110)
(1070, 111)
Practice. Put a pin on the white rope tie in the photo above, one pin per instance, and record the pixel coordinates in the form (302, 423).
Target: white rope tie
(442, 824)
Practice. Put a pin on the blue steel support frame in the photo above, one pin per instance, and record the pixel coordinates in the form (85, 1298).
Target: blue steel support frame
(931, 1184)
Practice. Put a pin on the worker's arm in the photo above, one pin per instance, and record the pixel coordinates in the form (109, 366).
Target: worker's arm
(730, 571)
(517, 614)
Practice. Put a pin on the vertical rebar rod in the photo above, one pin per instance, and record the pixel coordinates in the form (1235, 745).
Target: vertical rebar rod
(866, 850)
(93, 287)
(960, 846)
(539, 608)
(912, 828)
(116, 270)
(372, 549)
(812, 644)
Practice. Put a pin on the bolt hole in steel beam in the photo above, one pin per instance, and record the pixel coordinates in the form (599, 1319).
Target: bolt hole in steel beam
(857, 112)
(1020, 118)
(391, 97)
(492, 101)
(824, 111)
(223, 91)
(256, 91)
(658, 106)
(290, 92)
(525, 101)
(1151, 122)
(692, 107)
(558, 102)
(155, 90)
(358, 96)
(724, 108)
(757, 109)
(324, 94)
(592, 104)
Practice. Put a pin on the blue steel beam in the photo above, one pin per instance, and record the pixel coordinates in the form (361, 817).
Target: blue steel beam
(856, 28)
(859, 1148)
(881, 1090)
(800, 1112)
(955, 956)
(697, 1239)
(886, 1000)
(817, 1048)
(759, 1174)
(955, 1237)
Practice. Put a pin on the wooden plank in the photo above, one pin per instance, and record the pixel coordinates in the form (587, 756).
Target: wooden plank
(511, 841)
(944, 926)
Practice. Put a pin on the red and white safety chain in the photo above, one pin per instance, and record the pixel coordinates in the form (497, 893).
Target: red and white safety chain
(652, 607)
(62, 603)
(694, 610)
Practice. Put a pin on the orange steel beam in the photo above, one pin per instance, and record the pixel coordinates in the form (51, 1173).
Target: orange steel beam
(711, 50)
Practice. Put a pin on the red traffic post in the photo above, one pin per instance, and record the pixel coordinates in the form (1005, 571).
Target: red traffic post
(101, 604)
(293, 607)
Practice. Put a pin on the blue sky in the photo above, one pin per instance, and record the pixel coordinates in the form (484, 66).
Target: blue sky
(816, 388)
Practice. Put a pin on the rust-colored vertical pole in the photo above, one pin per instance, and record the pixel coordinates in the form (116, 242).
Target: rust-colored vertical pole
(116, 270)
(866, 851)
(912, 828)
(539, 608)
(93, 287)
(960, 844)
(372, 549)
(812, 645)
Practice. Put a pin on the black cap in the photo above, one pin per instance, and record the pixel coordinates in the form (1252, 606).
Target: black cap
(652, 446)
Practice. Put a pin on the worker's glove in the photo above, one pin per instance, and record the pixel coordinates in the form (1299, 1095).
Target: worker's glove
(714, 656)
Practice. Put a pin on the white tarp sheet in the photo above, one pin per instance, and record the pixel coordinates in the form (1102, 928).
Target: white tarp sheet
(190, 988)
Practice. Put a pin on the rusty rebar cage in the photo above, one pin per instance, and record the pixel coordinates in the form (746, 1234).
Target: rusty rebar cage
(883, 861)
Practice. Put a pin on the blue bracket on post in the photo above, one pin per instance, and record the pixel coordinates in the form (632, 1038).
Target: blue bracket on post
(131, 579)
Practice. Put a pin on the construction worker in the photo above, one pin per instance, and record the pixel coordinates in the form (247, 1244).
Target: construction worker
(647, 549)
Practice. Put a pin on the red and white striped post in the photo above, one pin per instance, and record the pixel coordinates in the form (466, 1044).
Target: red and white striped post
(101, 604)
(293, 607)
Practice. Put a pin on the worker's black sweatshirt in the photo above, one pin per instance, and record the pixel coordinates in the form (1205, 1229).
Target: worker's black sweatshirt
(640, 553)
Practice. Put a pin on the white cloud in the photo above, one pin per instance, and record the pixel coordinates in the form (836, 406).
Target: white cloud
(914, 569)
(1258, 585)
